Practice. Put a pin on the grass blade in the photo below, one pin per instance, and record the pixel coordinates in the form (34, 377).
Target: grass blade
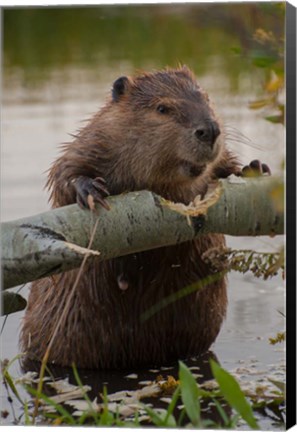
(233, 394)
(172, 404)
(190, 394)
(10, 383)
(61, 410)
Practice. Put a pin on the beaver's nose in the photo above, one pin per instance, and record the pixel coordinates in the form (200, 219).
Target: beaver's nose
(208, 132)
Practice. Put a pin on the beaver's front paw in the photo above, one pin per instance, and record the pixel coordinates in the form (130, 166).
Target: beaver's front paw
(89, 191)
(255, 169)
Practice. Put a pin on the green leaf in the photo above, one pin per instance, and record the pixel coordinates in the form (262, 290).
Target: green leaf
(260, 103)
(236, 50)
(27, 415)
(221, 412)
(10, 382)
(168, 421)
(279, 384)
(263, 60)
(172, 405)
(189, 394)
(107, 418)
(233, 394)
(275, 118)
(154, 415)
(163, 419)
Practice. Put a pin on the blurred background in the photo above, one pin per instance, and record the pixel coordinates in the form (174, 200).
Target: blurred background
(58, 68)
(59, 65)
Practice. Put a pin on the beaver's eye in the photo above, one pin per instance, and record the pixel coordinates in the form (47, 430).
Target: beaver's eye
(162, 109)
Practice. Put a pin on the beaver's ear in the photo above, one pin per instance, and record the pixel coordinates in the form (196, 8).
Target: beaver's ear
(120, 87)
(184, 68)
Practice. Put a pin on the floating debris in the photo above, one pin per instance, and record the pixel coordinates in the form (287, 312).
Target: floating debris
(74, 394)
(168, 386)
(165, 399)
(210, 385)
(28, 378)
(82, 406)
(145, 383)
(194, 368)
(196, 375)
(132, 376)
(63, 386)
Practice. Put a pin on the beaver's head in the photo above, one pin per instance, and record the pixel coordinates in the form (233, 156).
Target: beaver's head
(168, 128)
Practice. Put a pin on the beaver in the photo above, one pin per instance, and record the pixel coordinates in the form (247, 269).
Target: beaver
(157, 131)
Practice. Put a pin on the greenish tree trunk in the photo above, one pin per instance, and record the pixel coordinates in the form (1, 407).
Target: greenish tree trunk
(57, 240)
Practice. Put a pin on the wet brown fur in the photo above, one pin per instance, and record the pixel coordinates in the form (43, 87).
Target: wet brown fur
(134, 147)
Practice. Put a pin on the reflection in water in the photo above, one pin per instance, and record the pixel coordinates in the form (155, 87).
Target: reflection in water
(39, 40)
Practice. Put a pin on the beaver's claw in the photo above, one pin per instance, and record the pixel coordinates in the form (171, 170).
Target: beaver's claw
(96, 188)
(255, 169)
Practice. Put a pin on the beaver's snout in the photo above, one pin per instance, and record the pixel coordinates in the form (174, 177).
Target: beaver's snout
(208, 133)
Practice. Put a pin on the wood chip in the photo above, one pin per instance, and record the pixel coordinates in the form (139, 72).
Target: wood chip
(198, 206)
